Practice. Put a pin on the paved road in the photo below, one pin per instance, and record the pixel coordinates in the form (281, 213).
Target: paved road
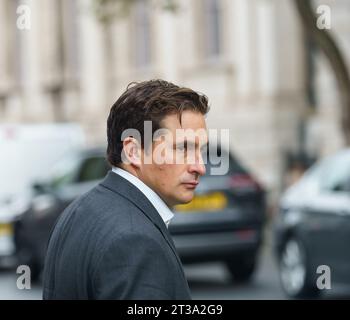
(207, 281)
(213, 281)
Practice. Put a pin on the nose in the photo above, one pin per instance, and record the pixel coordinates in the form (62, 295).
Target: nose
(198, 168)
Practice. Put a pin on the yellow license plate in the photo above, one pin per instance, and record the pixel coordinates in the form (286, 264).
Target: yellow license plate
(6, 229)
(208, 202)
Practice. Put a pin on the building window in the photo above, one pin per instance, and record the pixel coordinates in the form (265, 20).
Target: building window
(212, 42)
(141, 34)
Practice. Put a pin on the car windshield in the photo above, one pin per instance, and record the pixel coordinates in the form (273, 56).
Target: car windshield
(64, 171)
(336, 173)
(328, 174)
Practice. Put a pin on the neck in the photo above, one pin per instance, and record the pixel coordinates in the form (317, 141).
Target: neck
(136, 172)
(129, 168)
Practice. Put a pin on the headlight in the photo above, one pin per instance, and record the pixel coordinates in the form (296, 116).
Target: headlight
(9, 212)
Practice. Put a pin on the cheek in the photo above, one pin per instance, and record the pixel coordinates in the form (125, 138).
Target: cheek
(169, 176)
(163, 176)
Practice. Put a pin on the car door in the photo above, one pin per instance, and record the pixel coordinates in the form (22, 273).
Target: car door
(328, 218)
(326, 225)
(339, 208)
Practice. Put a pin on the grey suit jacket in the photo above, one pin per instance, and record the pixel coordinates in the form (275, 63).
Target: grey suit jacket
(111, 243)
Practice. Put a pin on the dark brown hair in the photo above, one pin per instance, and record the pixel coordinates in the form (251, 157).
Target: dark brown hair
(150, 100)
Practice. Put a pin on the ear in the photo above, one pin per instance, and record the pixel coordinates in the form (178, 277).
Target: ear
(131, 153)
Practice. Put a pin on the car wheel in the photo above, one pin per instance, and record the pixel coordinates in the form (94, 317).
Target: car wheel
(242, 268)
(294, 271)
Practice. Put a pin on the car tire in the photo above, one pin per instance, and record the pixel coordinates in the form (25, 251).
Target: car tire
(242, 267)
(294, 271)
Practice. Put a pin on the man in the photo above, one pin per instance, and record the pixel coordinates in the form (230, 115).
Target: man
(113, 242)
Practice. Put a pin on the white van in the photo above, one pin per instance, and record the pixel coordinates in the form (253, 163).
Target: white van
(27, 153)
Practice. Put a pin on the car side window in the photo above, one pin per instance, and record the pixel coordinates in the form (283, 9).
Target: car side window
(342, 184)
(337, 176)
(64, 172)
(93, 168)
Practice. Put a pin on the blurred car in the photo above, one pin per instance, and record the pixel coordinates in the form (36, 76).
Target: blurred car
(313, 227)
(7, 246)
(39, 145)
(222, 223)
(70, 178)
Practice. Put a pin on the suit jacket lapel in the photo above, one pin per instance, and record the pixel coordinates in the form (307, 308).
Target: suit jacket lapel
(126, 189)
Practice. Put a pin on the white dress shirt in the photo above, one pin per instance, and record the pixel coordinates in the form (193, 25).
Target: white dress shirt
(163, 210)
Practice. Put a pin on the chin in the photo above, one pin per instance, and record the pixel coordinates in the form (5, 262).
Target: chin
(186, 198)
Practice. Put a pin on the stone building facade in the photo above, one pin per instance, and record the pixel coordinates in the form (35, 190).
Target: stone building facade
(250, 57)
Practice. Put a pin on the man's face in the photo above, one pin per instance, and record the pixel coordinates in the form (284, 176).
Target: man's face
(177, 161)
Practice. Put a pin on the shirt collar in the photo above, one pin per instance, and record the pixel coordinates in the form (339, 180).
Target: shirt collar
(163, 210)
